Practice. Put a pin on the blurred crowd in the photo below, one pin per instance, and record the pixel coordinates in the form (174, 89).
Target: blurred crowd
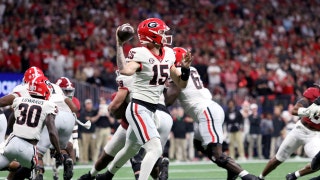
(262, 52)
(244, 49)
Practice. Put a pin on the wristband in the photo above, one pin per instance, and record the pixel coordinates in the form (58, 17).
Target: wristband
(302, 112)
(185, 73)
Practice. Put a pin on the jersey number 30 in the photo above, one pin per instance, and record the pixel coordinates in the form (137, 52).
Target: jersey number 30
(30, 114)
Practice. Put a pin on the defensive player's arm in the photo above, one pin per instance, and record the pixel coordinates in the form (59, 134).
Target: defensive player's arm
(300, 108)
(71, 105)
(6, 100)
(181, 78)
(11, 120)
(53, 132)
(171, 93)
(118, 100)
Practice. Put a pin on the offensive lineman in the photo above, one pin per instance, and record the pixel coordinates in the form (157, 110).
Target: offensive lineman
(197, 102)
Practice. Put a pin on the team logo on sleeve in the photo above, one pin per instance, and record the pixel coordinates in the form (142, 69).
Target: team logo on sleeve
(151, 60)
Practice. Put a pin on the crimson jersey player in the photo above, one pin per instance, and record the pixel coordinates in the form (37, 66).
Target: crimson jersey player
(305, 133)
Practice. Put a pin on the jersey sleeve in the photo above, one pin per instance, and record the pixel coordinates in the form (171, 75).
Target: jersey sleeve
(51, 108)
(124, 82)
(15, 102)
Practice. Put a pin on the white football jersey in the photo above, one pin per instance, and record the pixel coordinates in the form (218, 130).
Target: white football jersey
(195, 96)
(58, 98)
(30, 114)
(125, 82)
(154, 71)
(21, 90)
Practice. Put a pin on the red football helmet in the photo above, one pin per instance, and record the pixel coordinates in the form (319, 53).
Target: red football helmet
(66, 86)
(39, 87)
(153, 30)
(312, 93)
(31, 73)
(179, 53)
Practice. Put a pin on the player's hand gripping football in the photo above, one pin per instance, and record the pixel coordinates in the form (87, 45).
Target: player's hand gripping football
(187, 59)
(124, 33)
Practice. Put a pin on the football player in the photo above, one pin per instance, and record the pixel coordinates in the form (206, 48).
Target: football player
(31, 114)
(198, 104)
(65, 121)
(117, 107)
(152, 64)
(305, 133)
(20, 90)
(3, 127)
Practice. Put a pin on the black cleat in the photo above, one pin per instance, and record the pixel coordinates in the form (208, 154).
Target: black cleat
(164, 169)
(68, 169)
(105, 176)
(250, 177)
(291, 176)
(39, 177)
(315, 178)
(87, 177)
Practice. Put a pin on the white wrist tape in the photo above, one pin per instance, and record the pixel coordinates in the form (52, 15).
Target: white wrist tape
(303, 112)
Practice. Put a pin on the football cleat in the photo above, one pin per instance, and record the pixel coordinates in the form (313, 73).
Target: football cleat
(250, 177)
(105, 176)
(164, 169)
(39, 177)
(291, 176)
(87, 176)
(67, 169)
(315, 178)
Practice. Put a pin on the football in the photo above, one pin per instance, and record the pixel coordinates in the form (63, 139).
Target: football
(125, 32)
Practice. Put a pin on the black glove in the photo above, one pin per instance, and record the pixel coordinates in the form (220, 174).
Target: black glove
(317, 101)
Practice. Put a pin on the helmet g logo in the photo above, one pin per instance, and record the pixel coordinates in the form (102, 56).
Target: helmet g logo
(152, 24)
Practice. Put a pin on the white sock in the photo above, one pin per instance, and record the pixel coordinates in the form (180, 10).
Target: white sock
(153, 152)
(261, 177)
(93, 171)
(243, 173)
(297, 173)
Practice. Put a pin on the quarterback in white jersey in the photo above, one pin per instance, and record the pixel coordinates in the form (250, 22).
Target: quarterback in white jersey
(31, 114)
(152, 64)
(208, 136)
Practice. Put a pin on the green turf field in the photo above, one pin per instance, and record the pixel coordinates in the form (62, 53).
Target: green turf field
(203, 170)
